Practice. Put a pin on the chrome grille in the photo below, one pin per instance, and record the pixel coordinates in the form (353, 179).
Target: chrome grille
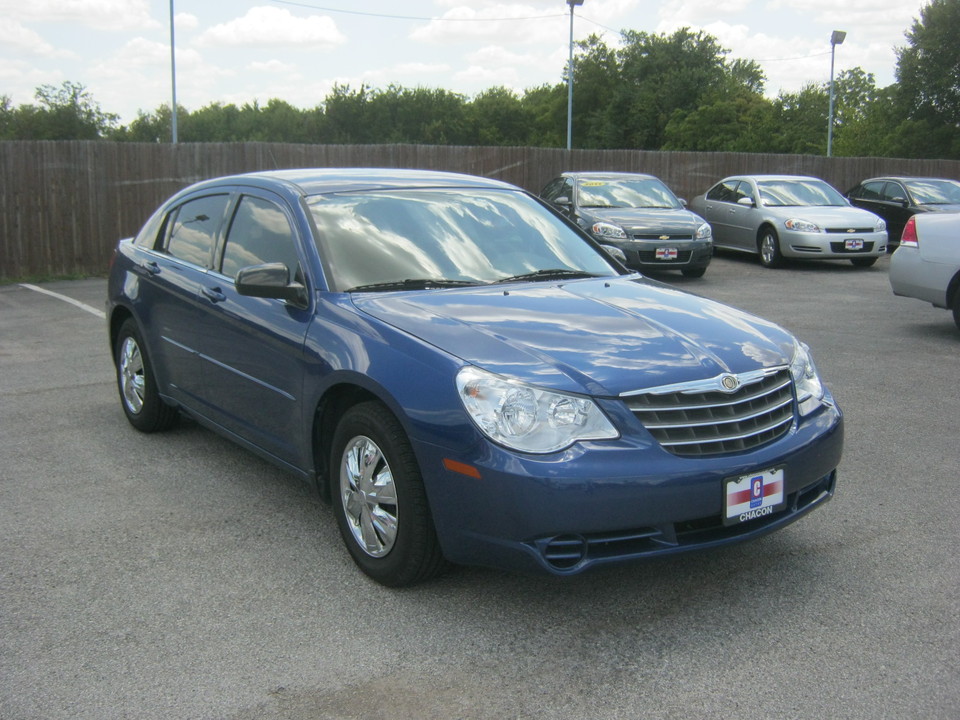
(705, 418)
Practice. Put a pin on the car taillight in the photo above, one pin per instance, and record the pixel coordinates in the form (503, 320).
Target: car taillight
(909, 236)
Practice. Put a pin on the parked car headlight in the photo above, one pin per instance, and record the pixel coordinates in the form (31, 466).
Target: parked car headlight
(802, 225)
(881, 225)
(608, 230)
(806, 379)
(704, 232)
(528, 418)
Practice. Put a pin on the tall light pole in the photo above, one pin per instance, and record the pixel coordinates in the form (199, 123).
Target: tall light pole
(572, 4)
(173, 80)
(836, 38)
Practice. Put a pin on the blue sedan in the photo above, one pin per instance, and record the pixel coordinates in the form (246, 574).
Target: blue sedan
(464, 373)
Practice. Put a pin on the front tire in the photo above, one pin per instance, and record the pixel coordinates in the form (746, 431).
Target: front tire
(379, 499)
(697, 272)
(863, 262)
(956, 309)
(139, 397)
(768, 245)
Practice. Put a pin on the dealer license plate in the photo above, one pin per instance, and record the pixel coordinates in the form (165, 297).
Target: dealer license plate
(753, 496)
(666, 253)
(853, 244)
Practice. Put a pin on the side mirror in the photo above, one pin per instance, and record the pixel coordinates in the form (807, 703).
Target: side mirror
(563, 201)
(746, 202)
(270, 280)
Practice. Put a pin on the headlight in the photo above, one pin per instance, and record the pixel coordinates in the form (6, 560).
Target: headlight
(608, 230)
(809, 388)
(802, 225)
(704, 232)
(881, 225)
(528, 418)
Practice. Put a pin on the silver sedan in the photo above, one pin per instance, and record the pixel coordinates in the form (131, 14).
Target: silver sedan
(926, 266)
(790, 216)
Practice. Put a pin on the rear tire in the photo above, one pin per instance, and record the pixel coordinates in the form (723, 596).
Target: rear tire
(139, 397)
(379, 499)
(768, 245)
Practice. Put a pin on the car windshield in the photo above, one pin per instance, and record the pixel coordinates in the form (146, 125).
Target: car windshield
(646, 193)
(793, 193)
(935, 192)
(428, 238)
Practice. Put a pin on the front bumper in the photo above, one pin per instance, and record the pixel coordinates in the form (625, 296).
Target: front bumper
(664, 254)
(588, 506)
(832, 245)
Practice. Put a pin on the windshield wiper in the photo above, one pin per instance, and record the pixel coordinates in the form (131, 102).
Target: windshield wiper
(552, 274)
(412, 284)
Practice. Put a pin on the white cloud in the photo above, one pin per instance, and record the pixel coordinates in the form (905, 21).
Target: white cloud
(98, 14)
(270, 26)
(15, 36)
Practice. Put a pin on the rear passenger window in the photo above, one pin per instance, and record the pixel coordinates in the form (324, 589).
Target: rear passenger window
(260, 233)
(725, 191)
(194, 229)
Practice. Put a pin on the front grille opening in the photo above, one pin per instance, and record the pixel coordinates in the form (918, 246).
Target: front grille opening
(696, 423)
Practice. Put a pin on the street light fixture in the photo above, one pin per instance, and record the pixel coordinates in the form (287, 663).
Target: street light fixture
(836, 38)
(572, 4)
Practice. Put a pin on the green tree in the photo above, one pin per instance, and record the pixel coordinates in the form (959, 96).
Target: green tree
(498, 117)
(67, 112)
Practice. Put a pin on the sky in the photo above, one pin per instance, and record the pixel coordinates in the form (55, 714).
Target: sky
(240, 51)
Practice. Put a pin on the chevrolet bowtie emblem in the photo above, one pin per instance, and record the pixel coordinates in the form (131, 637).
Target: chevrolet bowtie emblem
(664, 237)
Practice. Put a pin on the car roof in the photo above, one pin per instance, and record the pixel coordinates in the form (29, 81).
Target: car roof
(600, 175)
(903, 178)
(772, 177)
(317, 181)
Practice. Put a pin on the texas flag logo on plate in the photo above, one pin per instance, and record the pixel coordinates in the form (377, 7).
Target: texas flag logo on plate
(753, 496)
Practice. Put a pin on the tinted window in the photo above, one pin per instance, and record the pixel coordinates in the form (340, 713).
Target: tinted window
(894, 192)
(194, 230)
(260, 233)
(725, 191)
(869, 191)
(459, 235)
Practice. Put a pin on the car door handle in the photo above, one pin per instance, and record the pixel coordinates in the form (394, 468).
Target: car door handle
(151, 267)
(213, 294)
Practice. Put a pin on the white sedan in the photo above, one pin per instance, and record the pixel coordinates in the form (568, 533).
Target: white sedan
(926, 266)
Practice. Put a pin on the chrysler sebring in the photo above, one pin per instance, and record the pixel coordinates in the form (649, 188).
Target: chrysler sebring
(465, 375)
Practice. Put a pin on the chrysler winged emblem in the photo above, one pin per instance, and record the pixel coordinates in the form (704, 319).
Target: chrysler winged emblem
(729, 382)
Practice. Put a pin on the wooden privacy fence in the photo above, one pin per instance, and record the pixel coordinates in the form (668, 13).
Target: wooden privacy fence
(64, 204)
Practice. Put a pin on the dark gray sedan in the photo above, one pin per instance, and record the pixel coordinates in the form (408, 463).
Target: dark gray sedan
(790, 216)
(638, 215)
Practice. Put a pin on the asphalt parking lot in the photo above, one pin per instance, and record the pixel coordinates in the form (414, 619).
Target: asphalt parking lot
(178, 576)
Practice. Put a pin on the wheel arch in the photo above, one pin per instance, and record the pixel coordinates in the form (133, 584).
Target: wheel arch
(118, 317)
(333, 405)
(953, 289)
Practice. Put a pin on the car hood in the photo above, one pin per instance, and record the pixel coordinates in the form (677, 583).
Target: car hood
(841, 216)
(600, 337)
(649, 219)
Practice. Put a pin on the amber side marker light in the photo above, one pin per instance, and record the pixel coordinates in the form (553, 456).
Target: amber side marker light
(462, 468)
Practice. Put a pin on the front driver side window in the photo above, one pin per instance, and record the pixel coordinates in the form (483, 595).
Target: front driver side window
(260, 233)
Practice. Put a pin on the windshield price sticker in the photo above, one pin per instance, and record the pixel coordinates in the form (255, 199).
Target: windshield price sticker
(854, 244)
(666, 253)
(753, 496)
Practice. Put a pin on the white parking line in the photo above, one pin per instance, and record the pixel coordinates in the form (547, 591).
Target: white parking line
(92, 310)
